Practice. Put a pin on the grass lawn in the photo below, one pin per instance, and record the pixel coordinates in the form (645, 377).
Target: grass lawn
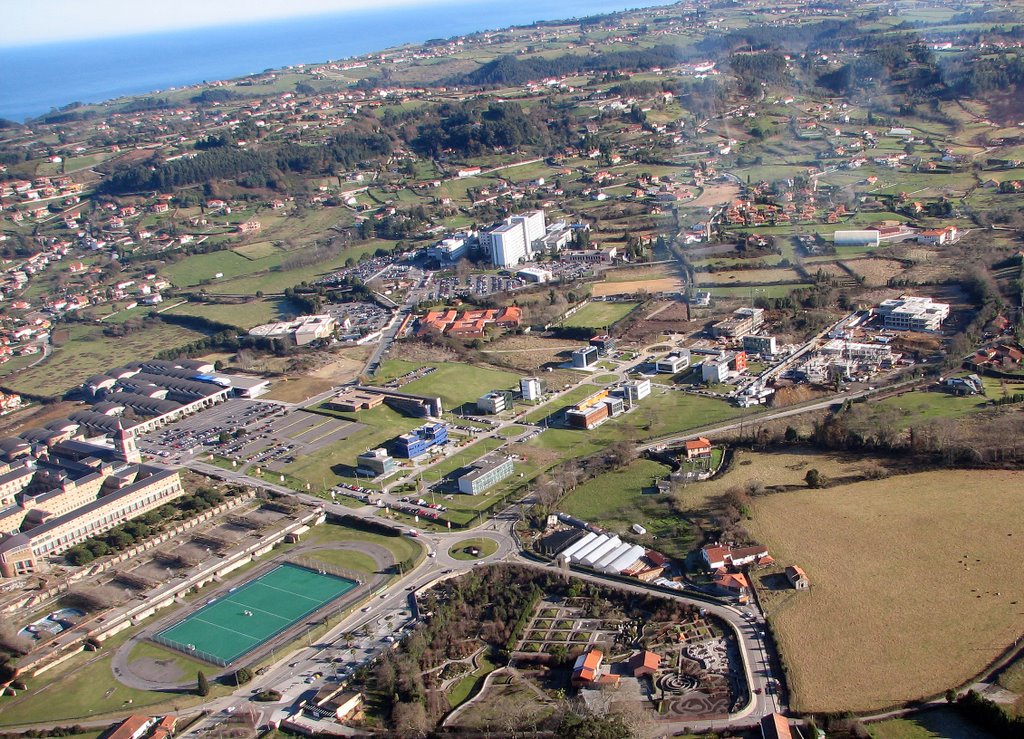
(465, 687)
(617, 500)
(88, 352)
(869, 633)
(599, 315)
(336, 462)
(938, 724)
(348, 559)
(401, 547)
(455, 383)
(242, 315)
(918, 406)
(87, 689)
(486, 546)
(461, 458)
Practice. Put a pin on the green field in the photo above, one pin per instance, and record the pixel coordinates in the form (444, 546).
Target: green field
(242, 315)
(486, 546)
(252, 614)
(599, 315)
(89, 352)
(336, 462)
(454, 383)
(617, 500)
(909, 409)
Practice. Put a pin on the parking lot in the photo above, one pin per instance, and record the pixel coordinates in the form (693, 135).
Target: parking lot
(248, 432)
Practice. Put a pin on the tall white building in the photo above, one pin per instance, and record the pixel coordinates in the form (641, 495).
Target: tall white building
(512, 242)
(508, 245)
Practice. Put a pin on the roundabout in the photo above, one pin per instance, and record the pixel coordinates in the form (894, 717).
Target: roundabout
(476, 548)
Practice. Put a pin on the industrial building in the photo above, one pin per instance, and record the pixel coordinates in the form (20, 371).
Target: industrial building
(485, 473)
(418, 406)
(856, 238)
(418, 441)
(743, 321)
(585, 357)
(302, 330)
(910, 313)
(352, 400)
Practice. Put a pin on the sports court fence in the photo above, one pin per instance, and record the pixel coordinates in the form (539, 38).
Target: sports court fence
(326, 569)
(189, 649)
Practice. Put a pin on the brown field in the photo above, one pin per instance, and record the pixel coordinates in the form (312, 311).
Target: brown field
(340, 368)
(664, 284)
(876, 272)
(915, 584)
(771, 469)
(747, 276)
(829, 268)
(528, 352)
(715, 195)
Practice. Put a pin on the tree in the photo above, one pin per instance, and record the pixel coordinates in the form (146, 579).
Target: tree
(814, 479)
(202, 685)
(243, 675)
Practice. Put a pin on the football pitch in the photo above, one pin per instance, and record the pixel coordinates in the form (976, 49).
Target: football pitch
(251, 614)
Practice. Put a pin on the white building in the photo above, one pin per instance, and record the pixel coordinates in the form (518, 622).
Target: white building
(302, 330)
(636, 390)
(513, 242)
(492, 403)
(531, 388)
(856, 238)
(911, 313)
(675, 362)
(535, 274)
(448, 250)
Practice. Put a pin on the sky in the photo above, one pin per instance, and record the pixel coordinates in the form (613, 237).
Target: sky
(26, 23)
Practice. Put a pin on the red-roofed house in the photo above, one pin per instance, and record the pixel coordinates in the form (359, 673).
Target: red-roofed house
(797, 578)
(644, 663)
(718, 556)
(775, 726)
(587, 669)
(699, 448)
(133, 727)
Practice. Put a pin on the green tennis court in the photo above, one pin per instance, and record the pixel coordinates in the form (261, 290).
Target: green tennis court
(226, 628)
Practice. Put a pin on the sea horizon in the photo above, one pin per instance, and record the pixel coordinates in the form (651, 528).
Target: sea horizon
(40, 78)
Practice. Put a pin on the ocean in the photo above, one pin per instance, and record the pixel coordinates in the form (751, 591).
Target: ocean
(36, 79)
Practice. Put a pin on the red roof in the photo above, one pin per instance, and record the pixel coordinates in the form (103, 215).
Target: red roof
(699, 443)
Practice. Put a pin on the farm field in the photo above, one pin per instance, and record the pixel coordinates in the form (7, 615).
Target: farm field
(599, 315)
(657, 285)
(748, 276)
(876, 272)
(88, 352)
(904, 545)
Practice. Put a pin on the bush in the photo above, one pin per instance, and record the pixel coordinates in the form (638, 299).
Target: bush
(243, 675)
(267, 696)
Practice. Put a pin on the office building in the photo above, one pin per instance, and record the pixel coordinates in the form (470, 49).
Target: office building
(585, 357)
(723, 367)
(485, 473)
(910, 313)
(636, 390)
(532, 388)
(760, 344)
(675, 362)
(493, 402)
(418, 441)
(743, 321)
(604, 343)
(375, 462)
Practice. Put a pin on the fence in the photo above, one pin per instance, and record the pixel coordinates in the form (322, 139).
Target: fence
(323, 568)
(189, 649)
